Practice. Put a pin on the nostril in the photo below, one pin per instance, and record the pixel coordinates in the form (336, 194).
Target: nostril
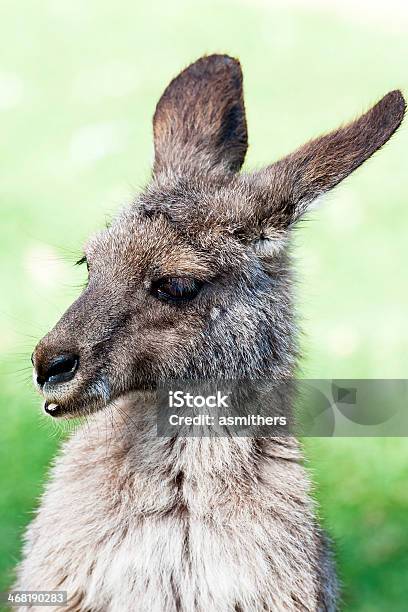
(63, 364)
(60, 369)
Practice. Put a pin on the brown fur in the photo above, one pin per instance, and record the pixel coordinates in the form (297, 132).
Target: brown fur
(213, 133)
(132, 521)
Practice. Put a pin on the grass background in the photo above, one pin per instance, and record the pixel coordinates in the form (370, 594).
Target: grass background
(78, 85)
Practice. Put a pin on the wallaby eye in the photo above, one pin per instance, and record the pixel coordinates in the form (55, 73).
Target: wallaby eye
(81, 261)
(176, 288)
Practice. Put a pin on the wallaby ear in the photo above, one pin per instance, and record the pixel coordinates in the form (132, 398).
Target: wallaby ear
(286, 188)
(200, 119)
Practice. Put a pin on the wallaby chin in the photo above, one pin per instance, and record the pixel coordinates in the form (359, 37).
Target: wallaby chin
(193, 282)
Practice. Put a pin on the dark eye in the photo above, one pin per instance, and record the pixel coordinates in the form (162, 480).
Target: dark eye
(82, 261)
(176, 288)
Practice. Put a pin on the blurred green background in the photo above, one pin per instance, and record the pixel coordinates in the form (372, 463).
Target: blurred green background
(78, 86)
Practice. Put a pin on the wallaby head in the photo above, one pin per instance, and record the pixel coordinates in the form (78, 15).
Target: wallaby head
(193, 279)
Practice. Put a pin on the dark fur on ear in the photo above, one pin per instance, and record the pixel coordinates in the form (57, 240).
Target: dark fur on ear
(199, 123)
(286, 188)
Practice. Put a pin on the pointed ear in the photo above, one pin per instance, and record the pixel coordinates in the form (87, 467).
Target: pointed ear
(286, 188)
(199, 121)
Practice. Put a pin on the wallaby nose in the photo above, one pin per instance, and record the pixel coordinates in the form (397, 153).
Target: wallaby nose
(57, 370)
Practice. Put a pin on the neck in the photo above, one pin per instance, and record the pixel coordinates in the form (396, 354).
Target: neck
(134, 423)
(179, 474)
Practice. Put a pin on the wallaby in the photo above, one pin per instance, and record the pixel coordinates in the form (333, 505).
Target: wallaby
(191, 281)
